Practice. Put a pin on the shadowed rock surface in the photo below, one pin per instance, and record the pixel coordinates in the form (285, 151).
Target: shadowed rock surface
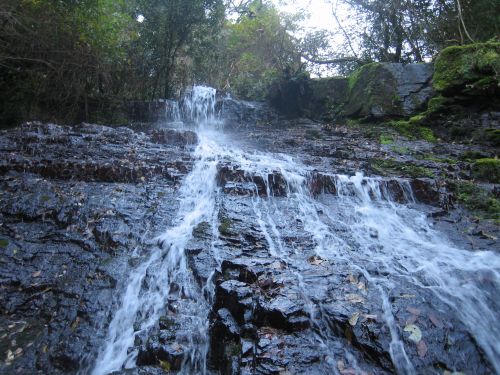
(80, 207)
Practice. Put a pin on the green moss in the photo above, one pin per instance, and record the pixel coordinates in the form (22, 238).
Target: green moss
(225, 227)
(233, 349)
(436, 104)
(401, 150)
(3, 243)
(472, 155)
(386, 139)
(459, 67)
(44, 198)
(165, 365)
(389, 167)
(412, 131)
(372, 90)
(201, 228)
(493, 136)
(487, 170)
(416, 120)
(478, 200)
(352, 123)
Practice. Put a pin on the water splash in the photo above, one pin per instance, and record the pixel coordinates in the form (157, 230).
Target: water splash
(198, 105)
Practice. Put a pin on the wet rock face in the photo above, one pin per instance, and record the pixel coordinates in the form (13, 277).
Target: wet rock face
(75, 203)
(78, 206)
(303, 314)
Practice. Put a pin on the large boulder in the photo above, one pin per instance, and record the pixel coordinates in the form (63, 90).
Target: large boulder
(379, 90)
(469, 71)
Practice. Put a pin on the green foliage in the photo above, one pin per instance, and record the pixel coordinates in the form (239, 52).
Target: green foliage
(3, 243)
(487, 169)
(172, 32)
(465, 67)
(59, 58)
(480, 201)
(256, 51)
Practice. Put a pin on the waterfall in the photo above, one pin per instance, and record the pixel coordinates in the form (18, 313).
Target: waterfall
(387, 242)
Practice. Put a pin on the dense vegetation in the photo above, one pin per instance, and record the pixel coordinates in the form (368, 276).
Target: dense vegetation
(73, 60)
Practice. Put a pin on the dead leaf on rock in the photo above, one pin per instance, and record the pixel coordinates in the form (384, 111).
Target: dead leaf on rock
(340, 365)
(415, 333)
(436, 321)
(175, 346)
(361, 286)
(406, 295)
(277, 265)
(315, 260)
(37, 274)
(412, 319)
(354, 298)
(349, 371)
(421, 348)
(352, 279)
(413, 310)
(353, 320)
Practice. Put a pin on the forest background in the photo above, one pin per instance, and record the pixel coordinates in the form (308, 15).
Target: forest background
(76, 60)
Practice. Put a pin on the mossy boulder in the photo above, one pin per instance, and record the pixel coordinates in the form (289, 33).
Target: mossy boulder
(372, 90)
(379, 90)
(487, 169)
(472, 70)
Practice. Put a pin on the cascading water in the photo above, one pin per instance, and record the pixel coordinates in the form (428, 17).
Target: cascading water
(387, 242)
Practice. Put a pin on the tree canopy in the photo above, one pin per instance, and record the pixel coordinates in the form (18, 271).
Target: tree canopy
(73, 60)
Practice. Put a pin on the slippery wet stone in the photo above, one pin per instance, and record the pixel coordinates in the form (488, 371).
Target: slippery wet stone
(296, 288)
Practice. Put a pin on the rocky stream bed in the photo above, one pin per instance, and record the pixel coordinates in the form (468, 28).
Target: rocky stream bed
(291, 272)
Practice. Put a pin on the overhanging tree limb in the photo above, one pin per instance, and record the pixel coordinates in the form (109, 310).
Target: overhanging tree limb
(339, 60)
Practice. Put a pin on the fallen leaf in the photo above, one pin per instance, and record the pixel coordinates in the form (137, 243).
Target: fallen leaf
(348, 371)
(10, 356)
(412, 319)
(352, 279)
(316, 260)
(415, 333)
(354, 298)
(361, 286)
(446, 372)
(340, 365)
(75, 324)
(436, 321)
(413, 310)
(354, 319)
(407, 296)
(165, 365)
(421, 348)
(37, 274)
(18, 352)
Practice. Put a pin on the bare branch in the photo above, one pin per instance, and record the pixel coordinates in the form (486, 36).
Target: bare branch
(340, 60)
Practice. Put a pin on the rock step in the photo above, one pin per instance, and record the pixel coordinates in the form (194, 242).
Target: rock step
(235, 181)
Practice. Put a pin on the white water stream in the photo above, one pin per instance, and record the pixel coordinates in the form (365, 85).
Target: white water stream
(360, 225)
